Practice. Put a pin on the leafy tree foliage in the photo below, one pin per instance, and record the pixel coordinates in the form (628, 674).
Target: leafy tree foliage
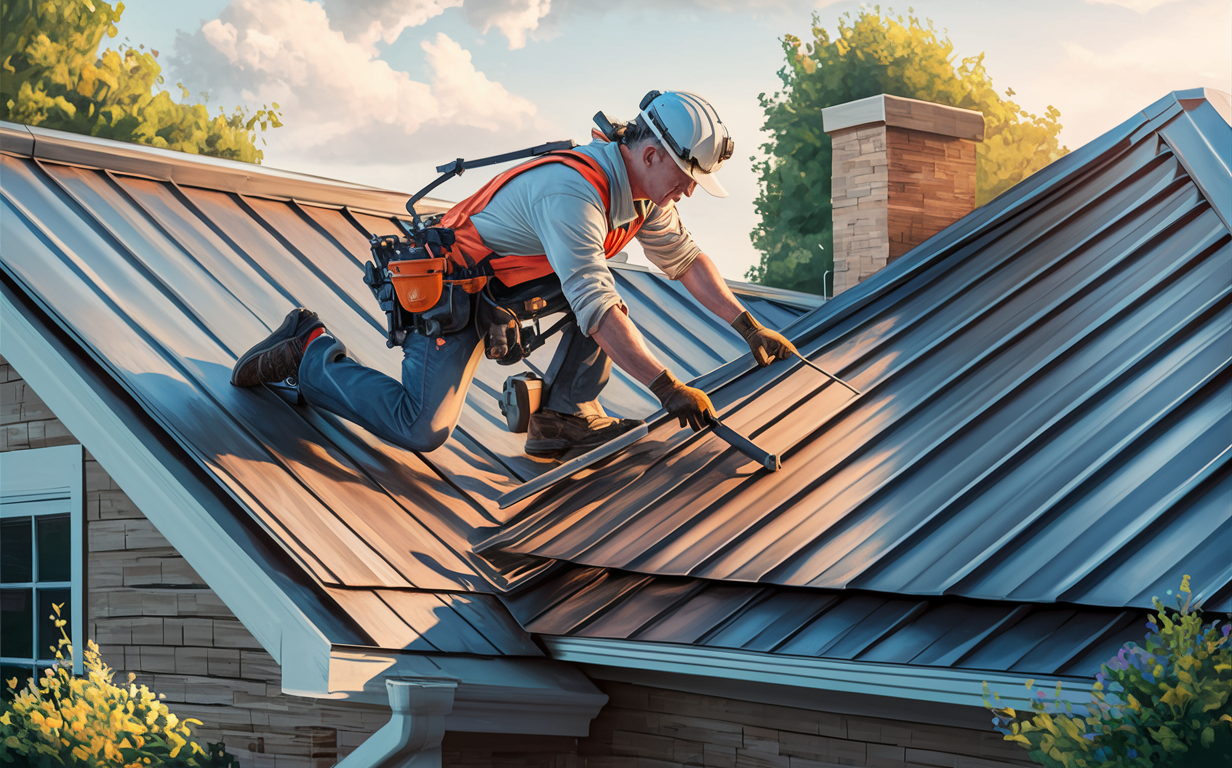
(52, 75)
(1163, 704)
(872, 54)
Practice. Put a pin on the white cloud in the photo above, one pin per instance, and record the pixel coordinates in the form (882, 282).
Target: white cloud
(514, 18)
(466, 96)
(332, 88)
(367, 21)
(1139, 6)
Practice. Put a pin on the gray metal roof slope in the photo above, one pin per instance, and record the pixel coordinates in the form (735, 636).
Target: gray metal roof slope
(165, 283)
(1069, 641)
(1046, 411)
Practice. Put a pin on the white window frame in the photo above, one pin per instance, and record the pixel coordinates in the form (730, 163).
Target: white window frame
(49, 481)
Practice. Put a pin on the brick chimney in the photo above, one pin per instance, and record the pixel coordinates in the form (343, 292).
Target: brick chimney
(903, 171)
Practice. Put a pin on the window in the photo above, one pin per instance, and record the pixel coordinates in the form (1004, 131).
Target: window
(41, 558)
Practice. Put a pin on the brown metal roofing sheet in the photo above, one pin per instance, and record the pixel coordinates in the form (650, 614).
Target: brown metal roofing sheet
(1019, 374)
(167, 284)
(164, 283)
(937, 632)
(430, 622)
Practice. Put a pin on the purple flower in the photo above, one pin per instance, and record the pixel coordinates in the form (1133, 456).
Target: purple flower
(1132, 753)
(1227, 628)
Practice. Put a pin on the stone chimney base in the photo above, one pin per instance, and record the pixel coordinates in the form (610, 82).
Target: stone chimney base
(903, 171)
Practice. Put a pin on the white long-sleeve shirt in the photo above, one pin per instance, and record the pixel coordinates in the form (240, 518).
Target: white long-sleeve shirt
(553, 210)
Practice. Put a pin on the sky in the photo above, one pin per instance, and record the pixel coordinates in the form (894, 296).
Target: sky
(380, 92)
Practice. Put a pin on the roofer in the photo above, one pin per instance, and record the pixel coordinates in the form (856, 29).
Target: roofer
(576, 209)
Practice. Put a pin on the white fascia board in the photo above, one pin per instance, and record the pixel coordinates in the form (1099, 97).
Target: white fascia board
(899, 681)
(494, 695)
(265, 610)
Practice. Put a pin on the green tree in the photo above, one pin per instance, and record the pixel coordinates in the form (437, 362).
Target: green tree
(872, 54)
(1164, 704)
(52, 75)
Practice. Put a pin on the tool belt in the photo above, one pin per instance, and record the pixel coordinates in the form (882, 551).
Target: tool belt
(424, 289)
(426, 294)
(417, 286)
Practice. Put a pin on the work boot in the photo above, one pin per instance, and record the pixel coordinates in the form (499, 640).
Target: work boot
(277, 357)
(552, 434)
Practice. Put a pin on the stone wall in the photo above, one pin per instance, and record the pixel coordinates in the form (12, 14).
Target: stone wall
(644, 727)
(859, 191)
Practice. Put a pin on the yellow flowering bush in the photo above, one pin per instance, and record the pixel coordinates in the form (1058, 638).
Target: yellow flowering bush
(59, 719)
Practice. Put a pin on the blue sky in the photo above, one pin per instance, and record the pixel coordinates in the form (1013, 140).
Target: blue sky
(379, 91)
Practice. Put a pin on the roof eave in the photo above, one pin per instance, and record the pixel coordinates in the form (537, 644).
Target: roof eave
(201, 171)
(791, 675)
(494, 695)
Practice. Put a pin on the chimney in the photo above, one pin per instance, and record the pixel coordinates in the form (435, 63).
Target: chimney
(903, 171)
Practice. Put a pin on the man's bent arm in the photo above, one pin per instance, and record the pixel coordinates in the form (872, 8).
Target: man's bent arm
(623, 342)
(702, 279)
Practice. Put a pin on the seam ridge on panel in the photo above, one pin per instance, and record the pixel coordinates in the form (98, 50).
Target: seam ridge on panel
(150, 408)
(156, 223)
(976, 564)
(907, 366)
(1127, 305)
(1214, 471)
(135, 261)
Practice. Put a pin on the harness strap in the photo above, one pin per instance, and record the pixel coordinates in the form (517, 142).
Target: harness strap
(471, 253)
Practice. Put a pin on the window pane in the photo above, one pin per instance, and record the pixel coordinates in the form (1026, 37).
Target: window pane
(16, 623)
(49, 633)
(55, 548)
(7, 673)
(15, 550)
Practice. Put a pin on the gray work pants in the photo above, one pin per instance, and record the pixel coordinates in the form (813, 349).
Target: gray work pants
(420, 412)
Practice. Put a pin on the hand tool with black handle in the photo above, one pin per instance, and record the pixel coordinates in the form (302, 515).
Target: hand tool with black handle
(741, 443)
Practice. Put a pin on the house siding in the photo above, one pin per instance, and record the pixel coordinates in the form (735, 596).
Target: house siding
(644, 727)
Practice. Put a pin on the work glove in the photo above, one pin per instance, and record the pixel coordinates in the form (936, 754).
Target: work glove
(766, 345)
(686, 403)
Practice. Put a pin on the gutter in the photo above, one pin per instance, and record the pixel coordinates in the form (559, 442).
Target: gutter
(934, 685)
(412, 737)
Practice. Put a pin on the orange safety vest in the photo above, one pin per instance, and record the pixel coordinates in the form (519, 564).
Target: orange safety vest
(470, 251)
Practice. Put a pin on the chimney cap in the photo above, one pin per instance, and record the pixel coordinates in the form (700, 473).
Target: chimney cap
(899, 112)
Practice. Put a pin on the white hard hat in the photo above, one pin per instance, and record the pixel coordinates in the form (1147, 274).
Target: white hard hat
(693, 134)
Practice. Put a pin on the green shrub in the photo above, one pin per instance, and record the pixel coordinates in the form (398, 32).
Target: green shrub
(59, 719)
(1165, 703)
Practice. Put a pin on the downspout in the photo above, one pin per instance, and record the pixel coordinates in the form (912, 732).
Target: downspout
(412, 737)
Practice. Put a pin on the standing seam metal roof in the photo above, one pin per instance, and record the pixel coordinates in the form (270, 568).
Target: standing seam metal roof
(1032, 640)
(163, 281)
(1045, 413)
